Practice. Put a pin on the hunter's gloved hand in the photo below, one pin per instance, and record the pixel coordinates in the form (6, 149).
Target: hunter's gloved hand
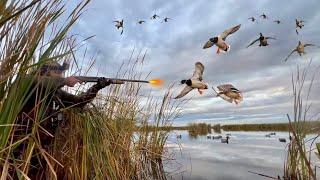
(103, 82)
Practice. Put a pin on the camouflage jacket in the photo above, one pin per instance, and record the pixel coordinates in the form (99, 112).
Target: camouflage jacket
(44, 101)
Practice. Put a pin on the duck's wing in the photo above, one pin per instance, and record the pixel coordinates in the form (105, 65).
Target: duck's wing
(290, 54)
(185, 91)
(253, 42)
(198, 71)
(227, 32)
(226, 87)
(208, 44)
(271, 38)
(226, 98)
(116, 21)
(306, 45)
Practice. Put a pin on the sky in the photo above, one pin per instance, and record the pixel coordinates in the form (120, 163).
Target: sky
(174, 47)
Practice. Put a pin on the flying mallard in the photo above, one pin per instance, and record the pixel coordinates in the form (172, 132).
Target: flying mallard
(263, 40)
(166, 19)
(299, 49)
(219, 40)
(155, 16)
(141, 22)
(119, 24)
(194, 82)
(264, 16)
(299, 24)
(229, 93)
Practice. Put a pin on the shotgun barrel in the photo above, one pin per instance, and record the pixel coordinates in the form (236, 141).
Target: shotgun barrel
(113, 80)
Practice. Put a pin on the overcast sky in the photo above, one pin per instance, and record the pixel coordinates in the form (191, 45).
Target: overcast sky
(174, 47)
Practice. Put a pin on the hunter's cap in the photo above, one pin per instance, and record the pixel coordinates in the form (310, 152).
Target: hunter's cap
(53, 67)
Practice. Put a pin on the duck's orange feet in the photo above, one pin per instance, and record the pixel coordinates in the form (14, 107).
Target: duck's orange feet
(218, 50)
(200, 91)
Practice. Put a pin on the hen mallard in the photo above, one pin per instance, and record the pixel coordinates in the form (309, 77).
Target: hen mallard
(299, 49)
(229, 93)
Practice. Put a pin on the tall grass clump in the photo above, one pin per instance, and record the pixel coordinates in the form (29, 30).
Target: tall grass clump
(300, 150)
(100, 141)
(31, 33)
(112, 138)
(114, 132)
(198, 129)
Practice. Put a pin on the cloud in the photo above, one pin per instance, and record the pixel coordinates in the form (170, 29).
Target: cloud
(174, 47)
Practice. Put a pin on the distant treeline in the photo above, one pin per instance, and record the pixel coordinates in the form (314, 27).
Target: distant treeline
(202, 128)
(314, 126)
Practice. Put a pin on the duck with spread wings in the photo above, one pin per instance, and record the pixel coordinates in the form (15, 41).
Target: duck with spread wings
(299, 49)
(219, 40)
(263, 40)
(195, 82)
(229, 93)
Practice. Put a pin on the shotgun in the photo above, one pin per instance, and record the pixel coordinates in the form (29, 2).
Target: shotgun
(112, 80)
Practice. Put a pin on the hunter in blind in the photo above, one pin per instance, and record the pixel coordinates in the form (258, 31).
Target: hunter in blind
(44, 102)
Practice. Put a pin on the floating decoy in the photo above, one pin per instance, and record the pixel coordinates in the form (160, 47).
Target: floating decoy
(282, 140)
(277, 21)
(264, 16)
(252, 19)
(141, 22)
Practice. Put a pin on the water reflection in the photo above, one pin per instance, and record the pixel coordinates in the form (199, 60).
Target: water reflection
(198, 157)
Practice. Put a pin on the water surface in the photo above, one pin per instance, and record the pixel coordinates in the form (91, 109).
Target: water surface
(202, 158)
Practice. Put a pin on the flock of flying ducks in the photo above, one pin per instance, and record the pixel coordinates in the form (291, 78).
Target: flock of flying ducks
(120, 25)
(227, 91)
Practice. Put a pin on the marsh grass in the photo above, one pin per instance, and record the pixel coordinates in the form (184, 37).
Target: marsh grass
(108, 139)
(299, 159)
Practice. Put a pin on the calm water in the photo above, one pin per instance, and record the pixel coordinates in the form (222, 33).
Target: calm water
(204, 158)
